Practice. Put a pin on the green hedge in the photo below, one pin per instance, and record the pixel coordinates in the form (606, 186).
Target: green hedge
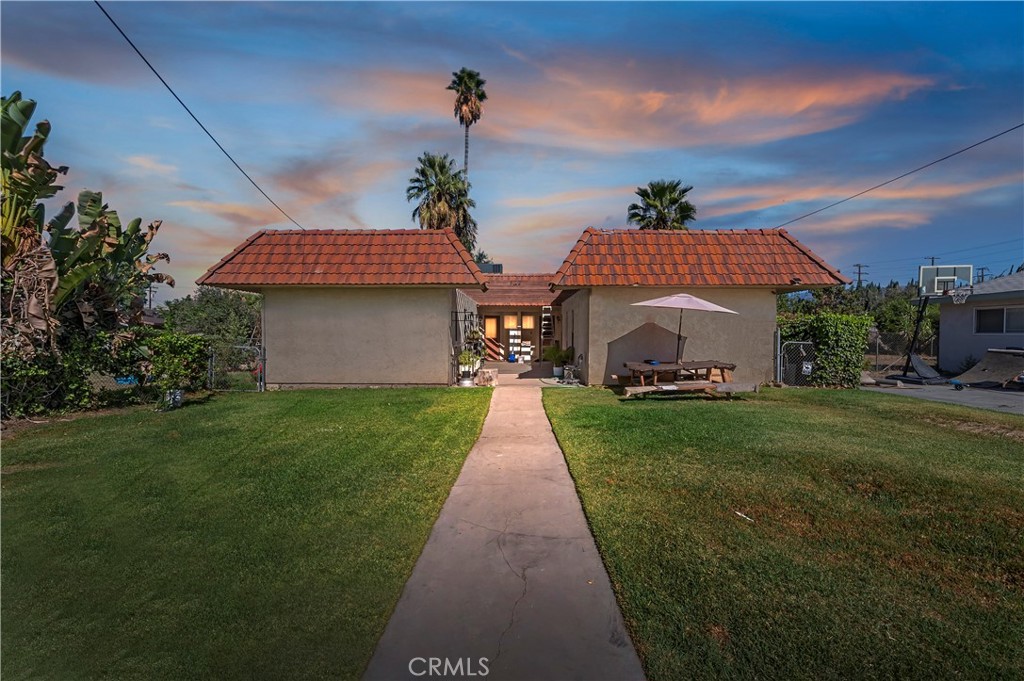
(839, 342)
(179, 360)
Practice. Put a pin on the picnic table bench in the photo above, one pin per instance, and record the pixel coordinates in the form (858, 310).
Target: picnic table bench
(707, 387)
(703, 370)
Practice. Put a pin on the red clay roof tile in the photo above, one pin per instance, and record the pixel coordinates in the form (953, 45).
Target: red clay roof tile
(338, 257)
(748, 257)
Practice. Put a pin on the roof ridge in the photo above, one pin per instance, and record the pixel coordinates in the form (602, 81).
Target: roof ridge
(563, 271)
(227, 258)
(466, 256)
(812, 255)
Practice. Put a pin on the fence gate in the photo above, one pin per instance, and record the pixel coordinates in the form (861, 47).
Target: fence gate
(795, 363)
(237, 367)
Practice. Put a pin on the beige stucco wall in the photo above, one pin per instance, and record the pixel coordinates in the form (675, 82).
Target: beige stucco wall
(357, 336)
(957, 339)
(576, 327)
(745, 339)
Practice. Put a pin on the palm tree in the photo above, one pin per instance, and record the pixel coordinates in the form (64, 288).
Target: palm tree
(663, 205)
(442, 193)
(469, 99)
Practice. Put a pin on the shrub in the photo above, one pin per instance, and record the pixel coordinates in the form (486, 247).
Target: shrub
(179, 361)
(839, 341)
(51, 382)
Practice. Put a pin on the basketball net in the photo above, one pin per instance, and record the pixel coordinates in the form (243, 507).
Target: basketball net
(959, 295)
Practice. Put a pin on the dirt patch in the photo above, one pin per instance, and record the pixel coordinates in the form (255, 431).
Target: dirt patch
(992, 429)
(719, 633)
(12, 427)
(26, 467)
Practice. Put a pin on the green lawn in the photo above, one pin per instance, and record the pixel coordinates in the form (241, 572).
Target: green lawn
(251, 536)
(886, 534)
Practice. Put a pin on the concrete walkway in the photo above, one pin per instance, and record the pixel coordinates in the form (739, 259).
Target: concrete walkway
(510, 572)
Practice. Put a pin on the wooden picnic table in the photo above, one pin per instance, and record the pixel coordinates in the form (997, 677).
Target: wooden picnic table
(698, 371)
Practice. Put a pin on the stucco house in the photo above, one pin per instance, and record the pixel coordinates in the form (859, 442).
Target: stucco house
(354, 307)
(389, 307)
(743, 270)
(992, 317)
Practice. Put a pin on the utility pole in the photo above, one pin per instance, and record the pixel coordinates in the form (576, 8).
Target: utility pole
(932, 258)
(981, 275)
(861, 269)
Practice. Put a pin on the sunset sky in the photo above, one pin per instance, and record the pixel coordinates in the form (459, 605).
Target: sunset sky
(769, 110)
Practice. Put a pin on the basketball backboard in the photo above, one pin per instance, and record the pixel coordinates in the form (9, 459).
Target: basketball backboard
(937, 280)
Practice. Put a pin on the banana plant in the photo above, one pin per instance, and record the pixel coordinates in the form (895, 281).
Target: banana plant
(102, 265)
(27, 177)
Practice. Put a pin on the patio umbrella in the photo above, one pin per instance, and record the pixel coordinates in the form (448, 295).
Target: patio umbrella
(683, 301)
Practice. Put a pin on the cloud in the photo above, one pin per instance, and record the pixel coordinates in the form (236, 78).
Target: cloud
(149, 164)
(856, 222)
(238, 215)
(598, 104)
(749, 198)
(572, 196)
(330, 177)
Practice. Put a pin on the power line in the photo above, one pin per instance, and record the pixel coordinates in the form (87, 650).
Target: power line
(927, 165)
(198, 122)
(955, 252)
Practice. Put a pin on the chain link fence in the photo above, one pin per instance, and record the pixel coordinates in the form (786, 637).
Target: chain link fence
(795, 363)
(887, 351)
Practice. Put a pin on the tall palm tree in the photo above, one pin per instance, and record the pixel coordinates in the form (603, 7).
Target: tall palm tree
(469, 99)
(442, 195)
(663, 205)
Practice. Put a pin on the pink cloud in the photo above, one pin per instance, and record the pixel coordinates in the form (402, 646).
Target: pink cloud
(736, 200)
(239, 215)
(855, 222)
(573, 196)
(603, 106)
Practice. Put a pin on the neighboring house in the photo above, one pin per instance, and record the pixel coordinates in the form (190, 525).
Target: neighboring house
(992, 317)
(742, 270)
(354, 307)
(518, 312)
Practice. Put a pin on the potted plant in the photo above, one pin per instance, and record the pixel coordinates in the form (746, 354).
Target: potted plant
(467, 366)
(553, 354)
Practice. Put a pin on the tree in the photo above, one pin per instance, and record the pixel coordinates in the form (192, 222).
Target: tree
(469, 99)
(217, 314)
(663, 205)
(442, 195)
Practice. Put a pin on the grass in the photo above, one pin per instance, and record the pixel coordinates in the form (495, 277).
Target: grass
(257, 536)
(886, 535)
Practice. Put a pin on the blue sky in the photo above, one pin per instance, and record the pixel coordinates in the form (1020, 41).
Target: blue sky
(770, 110)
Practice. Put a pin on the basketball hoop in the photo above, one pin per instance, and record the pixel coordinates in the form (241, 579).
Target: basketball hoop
(960, 295)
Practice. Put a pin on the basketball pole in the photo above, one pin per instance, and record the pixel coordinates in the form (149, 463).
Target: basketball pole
(917, 329)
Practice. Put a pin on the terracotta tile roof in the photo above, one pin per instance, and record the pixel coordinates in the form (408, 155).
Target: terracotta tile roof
(339, 257)
(747, 257)
(516, 290)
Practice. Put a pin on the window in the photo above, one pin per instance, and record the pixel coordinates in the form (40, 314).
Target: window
(511, 321)
(528, 321)
(491, 327)
(999, 320)
(1015, 320)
